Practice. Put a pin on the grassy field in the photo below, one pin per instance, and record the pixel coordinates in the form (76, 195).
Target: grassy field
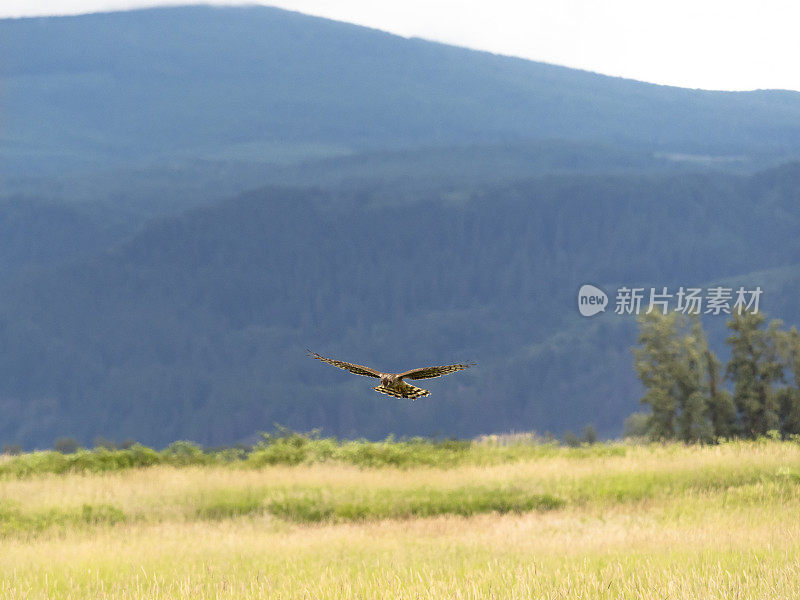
(496, 520)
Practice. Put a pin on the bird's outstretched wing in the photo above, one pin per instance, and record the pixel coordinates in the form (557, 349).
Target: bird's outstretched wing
(357, 369)
(430, 372)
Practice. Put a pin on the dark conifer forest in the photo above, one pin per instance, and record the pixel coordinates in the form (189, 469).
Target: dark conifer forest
(191, 197)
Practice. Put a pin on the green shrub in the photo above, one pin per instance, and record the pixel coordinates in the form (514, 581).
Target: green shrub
(142, 456)
(183, 453)
(14, 521)
(290, 448)
(311, 506)
(302, 509)
(230, 505)
(277, 454)
(101, 514)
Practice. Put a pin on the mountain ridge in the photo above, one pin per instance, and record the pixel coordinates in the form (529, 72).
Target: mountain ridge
(409, 202)
(83, 91)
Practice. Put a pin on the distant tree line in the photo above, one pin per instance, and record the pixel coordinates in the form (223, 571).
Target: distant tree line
(685, 383)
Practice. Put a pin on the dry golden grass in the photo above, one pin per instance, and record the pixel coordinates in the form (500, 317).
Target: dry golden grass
(659, 522)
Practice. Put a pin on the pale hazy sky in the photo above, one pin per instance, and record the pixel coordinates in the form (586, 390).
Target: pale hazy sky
(712, 44)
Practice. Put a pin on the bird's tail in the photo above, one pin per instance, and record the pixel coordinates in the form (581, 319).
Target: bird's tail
(404, 390)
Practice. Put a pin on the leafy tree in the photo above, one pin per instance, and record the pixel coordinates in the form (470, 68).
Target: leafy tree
(673, 366)
(693, 423)
(655, 365)
(571, 440)
(754, 367)
(788, 343)
(637, 424)
(66, 445)
(720, 412)
(588, 435)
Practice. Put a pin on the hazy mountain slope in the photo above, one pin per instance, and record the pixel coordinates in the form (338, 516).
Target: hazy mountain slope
(431, 231)
(35, 234)
(170, 187)
(197, 327)
(262, 83)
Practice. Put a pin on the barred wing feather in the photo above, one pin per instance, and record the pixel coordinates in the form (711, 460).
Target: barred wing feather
(357, 369)
(430, 372)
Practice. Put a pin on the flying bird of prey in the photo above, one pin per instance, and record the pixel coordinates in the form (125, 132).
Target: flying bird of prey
(392, 384)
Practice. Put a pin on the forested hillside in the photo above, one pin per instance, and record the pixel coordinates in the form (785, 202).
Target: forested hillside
(200, 322)
(262, 85)
(190, 197)
(35, 233)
